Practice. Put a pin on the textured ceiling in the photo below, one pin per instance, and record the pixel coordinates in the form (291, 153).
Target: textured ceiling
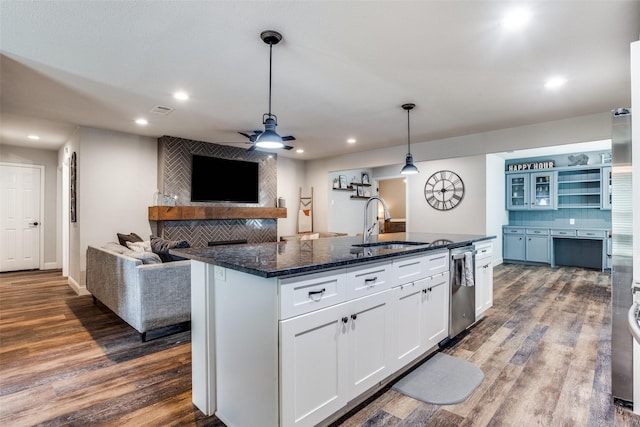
(342, 70)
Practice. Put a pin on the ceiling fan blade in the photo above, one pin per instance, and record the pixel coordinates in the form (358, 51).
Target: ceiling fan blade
(245, 134)
(287, 147)
(289, 138)
(253, 147)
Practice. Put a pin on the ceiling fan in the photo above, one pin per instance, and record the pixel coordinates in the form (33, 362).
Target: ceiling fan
(269, 138)
(256, 133)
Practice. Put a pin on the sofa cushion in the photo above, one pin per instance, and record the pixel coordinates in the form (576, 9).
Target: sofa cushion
(140, 246)
(145, 257)
(161, 247)
(131, 237)
(115, 247)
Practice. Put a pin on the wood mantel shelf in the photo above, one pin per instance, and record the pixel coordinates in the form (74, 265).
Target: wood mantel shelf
(191, 213)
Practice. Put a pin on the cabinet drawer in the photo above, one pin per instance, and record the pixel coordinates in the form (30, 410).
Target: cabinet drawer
(437, 262)
(513, 230)
(600, 234)
(299, 295)
(406, 270)
(484, 250)
(538, 231)
(563, 232)
(368, 279)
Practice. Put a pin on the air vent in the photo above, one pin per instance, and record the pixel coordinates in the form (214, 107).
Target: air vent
(161, 109)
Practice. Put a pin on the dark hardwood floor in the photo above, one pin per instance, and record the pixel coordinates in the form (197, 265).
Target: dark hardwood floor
(544, 349)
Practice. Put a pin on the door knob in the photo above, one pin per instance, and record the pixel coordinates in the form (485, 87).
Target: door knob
(35, 223)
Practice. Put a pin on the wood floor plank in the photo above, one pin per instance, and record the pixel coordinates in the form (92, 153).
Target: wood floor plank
(544, 347)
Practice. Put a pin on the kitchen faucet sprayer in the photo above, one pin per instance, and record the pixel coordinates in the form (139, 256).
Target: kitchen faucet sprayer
(368, 230)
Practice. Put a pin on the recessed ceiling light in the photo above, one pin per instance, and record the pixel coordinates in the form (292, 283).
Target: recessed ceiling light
(142, 122)
(351, 140)
(516, 19)
(299, 150)
(34, 137)
(555, 82)
(180, 95)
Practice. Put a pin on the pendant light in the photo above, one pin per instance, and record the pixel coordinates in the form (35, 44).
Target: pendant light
(270, 138)
(409, 168)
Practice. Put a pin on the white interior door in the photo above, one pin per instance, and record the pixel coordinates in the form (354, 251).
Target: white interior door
(20, 198)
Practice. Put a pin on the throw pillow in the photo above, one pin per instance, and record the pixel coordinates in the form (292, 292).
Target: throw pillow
(161, 247)
(131, 237)
(140, 246)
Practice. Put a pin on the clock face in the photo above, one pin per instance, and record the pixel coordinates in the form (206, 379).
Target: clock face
(444, 190)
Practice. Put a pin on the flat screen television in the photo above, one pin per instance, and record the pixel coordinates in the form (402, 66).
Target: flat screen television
(223, 180)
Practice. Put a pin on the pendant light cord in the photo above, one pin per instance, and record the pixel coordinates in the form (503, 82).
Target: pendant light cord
(270, 61)
(408, 132)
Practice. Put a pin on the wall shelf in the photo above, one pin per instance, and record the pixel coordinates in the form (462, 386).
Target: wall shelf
(192, 213)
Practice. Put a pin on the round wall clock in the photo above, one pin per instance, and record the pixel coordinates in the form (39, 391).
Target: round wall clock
(444, 190)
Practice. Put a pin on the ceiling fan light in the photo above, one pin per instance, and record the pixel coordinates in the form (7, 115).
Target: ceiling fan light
(269, 139)
(409, 168)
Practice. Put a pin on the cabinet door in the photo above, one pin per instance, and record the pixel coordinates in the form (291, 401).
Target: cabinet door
(484, 284)
(543, 190)
(537, 249)
(313, 365)
(435, 310)
(514, 247)
(369, 341)
(518, 191)
(407, 325)
(606, 183)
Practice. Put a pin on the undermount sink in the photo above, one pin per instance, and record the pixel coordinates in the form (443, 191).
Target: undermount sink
(389, 245)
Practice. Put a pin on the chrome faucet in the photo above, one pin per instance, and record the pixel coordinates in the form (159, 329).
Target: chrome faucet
(368, 230)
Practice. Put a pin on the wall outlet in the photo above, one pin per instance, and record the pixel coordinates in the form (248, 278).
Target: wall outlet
(219, 273)
(572, 221)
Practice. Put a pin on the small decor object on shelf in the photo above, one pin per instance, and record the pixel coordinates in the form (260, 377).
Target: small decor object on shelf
(444, 190)
(336, 183)
(343, 181)
(365, 178)
(360, 191)
(578, 159)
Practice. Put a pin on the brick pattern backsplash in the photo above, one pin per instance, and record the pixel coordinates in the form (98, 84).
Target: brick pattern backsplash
(174, 178)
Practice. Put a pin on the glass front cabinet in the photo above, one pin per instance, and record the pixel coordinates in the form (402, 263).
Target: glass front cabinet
(531, 190)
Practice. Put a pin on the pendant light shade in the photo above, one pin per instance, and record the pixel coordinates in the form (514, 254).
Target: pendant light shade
(270, 138)
(409, 168)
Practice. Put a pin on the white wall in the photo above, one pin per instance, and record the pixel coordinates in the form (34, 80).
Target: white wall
(496, 213)
(48, 159)
(291, 177)
(117, 176)
(346, 215)
(469, 217)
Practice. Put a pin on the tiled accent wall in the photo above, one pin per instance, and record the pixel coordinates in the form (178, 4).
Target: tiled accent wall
(586, 218)
(174, 178)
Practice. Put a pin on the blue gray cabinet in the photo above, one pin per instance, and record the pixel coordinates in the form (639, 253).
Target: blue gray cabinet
(531, 190)
(526, 244)
(514, 244)
(605, 199)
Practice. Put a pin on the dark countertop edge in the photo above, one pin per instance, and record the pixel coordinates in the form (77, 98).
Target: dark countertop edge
(557, 228)
(294, 271)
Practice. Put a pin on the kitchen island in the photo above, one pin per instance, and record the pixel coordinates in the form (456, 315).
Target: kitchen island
(293, 333)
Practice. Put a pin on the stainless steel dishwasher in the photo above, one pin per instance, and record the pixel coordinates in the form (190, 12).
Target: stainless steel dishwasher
(462, 301)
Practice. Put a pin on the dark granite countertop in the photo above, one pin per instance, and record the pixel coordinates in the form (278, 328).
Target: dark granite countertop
(276, 259)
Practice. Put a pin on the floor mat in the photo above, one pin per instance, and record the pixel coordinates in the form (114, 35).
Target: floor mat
(441, 380)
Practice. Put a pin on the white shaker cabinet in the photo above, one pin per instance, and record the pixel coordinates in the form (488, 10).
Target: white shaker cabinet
(332, 355)
(421, 306)
(484, 277)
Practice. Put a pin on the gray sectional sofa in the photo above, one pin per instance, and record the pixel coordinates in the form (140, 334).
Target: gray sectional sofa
(146, 296)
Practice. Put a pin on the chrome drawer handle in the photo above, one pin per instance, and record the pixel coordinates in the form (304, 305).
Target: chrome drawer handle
(371, 281)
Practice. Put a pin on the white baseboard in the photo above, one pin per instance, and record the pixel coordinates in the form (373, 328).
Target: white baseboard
(80, 290)
(51, 266)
